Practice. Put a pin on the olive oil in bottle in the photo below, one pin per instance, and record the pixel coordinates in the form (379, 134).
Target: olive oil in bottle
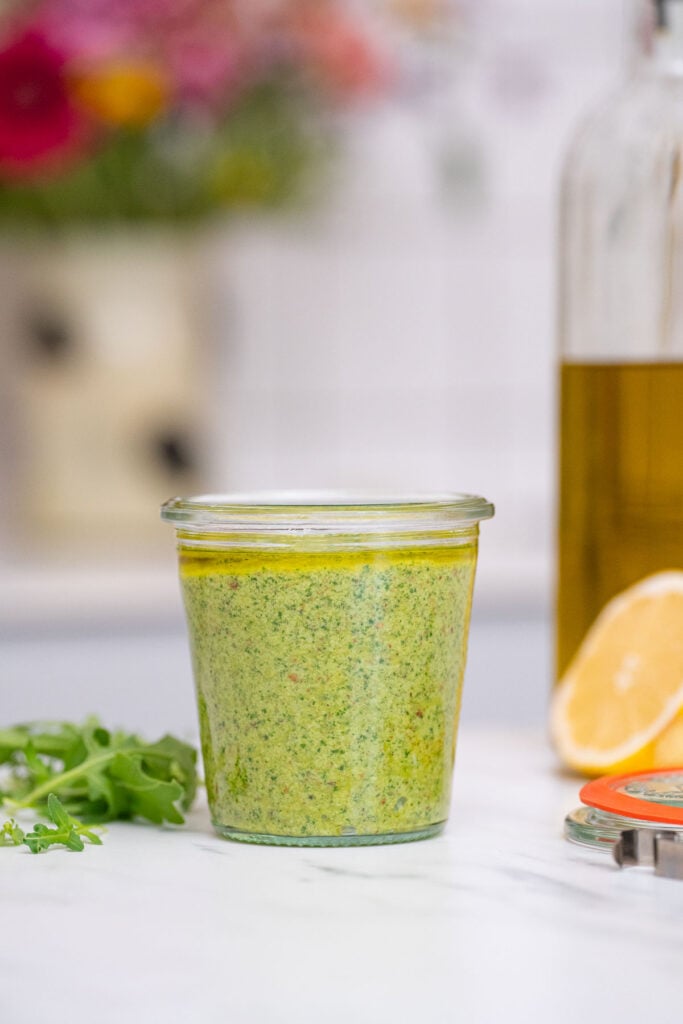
(621, 334)
(621, 486)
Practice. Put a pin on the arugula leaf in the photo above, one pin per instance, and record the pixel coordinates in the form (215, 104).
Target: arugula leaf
(177, 759)
(11, 834)
(149, 797)
(99, 775)
(54, 739)
(68, 832)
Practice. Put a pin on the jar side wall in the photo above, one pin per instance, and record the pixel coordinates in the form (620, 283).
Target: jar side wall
(329, 687)
(299, 541)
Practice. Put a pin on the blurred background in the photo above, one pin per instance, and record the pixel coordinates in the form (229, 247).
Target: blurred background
(273, 244)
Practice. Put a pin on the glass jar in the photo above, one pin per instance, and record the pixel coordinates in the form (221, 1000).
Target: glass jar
(621, 335)
(328, 636)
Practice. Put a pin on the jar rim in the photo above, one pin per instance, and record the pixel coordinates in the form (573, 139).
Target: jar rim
(326, 511)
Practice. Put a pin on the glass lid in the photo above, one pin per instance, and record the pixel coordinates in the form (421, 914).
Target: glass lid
(649, 800)
(647, 796)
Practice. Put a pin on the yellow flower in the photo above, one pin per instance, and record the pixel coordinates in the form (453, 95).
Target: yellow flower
(125, 93)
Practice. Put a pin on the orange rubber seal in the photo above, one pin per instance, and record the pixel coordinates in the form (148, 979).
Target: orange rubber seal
(605, 795)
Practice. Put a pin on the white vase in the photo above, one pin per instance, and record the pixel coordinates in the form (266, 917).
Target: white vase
(104, 345)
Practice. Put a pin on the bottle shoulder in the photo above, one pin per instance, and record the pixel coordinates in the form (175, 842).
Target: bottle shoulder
(620, 207)
(632, 124)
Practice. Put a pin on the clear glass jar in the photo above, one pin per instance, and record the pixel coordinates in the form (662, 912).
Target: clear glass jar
(621, 334)
(328, 635)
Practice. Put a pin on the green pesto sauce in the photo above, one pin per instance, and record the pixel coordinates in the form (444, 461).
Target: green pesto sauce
(328, 685)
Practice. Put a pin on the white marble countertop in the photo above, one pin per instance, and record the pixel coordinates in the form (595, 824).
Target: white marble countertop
(498, 920)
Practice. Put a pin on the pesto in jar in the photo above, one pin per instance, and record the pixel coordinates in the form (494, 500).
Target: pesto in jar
(329, 687)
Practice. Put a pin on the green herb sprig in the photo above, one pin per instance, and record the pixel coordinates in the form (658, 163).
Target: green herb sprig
(99, 775)
(11, 834)
(67, 832)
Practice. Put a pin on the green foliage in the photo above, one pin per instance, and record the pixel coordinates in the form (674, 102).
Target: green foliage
(11, 834)
(100, 775)
(181, 169)
(68, 831)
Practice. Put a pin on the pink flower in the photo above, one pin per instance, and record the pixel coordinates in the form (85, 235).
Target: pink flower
(337, 52)
(196, 41)
(39, 124)
(204, 70)
(92, 30)
(205, 52)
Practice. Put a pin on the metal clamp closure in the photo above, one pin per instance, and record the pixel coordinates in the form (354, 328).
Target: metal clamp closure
(662, 850)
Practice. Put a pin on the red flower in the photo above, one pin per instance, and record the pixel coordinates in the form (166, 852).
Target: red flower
(39, 124)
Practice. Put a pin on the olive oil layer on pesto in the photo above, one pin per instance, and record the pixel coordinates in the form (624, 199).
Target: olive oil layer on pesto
(328, 685)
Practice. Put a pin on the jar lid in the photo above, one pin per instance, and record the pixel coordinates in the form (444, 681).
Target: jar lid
(614, 803)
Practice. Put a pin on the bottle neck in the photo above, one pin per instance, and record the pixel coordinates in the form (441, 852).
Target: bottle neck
(660, 37)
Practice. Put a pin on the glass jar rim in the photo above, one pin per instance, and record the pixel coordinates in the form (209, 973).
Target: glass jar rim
(315, 512)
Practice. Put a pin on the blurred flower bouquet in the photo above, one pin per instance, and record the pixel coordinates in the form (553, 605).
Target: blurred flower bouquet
(144, 110)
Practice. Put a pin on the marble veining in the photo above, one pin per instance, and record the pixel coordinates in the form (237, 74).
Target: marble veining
(497, 920)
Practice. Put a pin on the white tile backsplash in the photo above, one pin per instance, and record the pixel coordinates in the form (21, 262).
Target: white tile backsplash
(392, 339)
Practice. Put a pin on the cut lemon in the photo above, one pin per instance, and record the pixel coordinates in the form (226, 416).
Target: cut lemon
(616, 708)
(667, 749)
